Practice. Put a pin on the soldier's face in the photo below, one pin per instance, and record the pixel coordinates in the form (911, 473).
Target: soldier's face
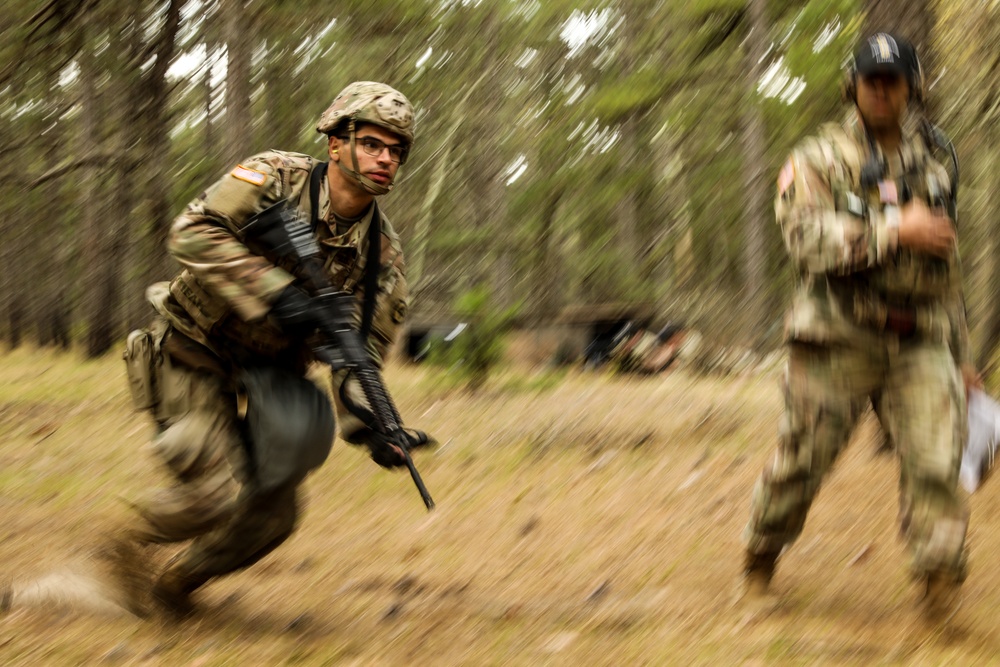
(381, 167)
(882, 99)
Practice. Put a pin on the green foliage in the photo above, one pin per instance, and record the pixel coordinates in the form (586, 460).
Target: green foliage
(634, 93)
(536, 382)
(475, 352)
(604, 164)
(700, 9)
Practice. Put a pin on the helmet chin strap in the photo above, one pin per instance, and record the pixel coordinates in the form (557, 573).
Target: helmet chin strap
(365, 182)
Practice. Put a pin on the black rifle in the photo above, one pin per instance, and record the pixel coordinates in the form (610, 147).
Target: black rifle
(286, 239)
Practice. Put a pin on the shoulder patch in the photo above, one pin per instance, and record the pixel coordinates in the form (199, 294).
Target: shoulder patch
(249, 175)
(786, 176)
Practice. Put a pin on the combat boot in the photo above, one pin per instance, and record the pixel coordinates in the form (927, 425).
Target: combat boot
(942, 597)
(757, 574)
(172, 592)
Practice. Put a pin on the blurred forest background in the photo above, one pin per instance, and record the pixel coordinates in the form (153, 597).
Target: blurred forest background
(569, 152)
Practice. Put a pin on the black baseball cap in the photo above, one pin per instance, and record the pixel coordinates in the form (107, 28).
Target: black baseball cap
(885, 53)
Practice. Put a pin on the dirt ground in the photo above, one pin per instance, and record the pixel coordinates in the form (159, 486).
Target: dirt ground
(582, 519)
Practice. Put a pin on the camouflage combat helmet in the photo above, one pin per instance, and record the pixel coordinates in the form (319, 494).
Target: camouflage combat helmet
(370, 102)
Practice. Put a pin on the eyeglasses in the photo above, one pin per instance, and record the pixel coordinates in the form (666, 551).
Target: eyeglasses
(374, 147)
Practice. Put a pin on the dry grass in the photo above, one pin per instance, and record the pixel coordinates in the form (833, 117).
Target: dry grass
(586, 520)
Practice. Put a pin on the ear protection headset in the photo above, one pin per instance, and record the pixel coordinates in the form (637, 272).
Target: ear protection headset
(874, 169)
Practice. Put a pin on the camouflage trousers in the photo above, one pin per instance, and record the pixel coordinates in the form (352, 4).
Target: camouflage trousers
(826, 390)
(211, 498)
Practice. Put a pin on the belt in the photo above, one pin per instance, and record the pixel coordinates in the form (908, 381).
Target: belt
(901, 320)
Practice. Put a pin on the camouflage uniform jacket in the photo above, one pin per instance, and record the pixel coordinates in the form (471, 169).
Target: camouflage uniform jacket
(222, 296)
(843, 242)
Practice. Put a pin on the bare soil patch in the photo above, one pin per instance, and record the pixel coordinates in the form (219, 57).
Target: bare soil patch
(582, 520)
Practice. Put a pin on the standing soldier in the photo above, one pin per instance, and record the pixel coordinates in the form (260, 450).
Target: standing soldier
(867, 217)
(222, 370)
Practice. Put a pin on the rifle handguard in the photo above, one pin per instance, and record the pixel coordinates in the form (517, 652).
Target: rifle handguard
(293, 311)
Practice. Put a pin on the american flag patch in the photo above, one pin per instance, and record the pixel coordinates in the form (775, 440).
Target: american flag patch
(249, 175)
(786, 176)
(887, 192)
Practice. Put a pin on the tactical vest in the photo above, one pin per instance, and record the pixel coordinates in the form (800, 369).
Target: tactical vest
(223, 330)
(915, 284)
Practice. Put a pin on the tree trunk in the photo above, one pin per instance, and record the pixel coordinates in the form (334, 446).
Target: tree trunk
(93, 209)
(208, 91)
(12, 252)
(134, 225)
(548, 262)
(283, 118)
(155, 129)
(46, 263)
(52, 260)
(627, 225)
(489, 205)
(239, 121)
(422, 228)
(15, 319)
(755, 210)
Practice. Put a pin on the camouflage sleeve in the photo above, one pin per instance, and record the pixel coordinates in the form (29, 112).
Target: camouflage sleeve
(954, 301)
(205, 239)
(961, 348)
(826, 231)
(958, 324)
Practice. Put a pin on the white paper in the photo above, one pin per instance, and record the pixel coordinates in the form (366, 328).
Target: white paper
(984, 435)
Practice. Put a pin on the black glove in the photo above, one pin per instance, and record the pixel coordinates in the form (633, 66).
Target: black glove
(295, 313)
(300, 316)
(384, 449)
